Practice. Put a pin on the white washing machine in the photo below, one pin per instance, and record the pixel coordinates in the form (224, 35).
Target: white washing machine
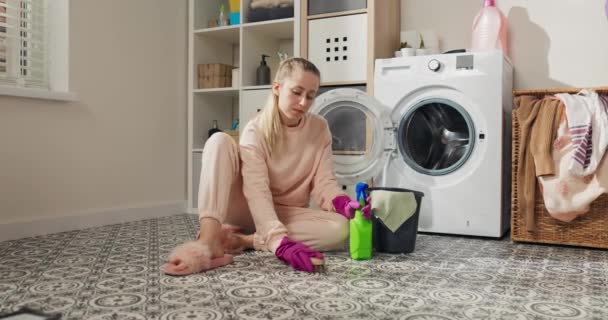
(440, 124)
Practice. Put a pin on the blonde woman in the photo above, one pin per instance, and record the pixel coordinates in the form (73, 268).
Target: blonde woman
(264, 185)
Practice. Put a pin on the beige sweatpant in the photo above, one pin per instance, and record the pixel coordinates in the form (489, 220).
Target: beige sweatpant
(221, 197)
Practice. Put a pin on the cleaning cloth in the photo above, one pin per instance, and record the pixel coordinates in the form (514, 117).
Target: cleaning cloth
(393, 208)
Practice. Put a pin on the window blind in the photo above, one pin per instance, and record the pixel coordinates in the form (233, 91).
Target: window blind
(23, 44)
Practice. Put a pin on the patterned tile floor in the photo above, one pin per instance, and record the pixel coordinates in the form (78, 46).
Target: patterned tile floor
(112, 272)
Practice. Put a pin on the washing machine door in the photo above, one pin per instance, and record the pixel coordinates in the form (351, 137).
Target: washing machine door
(436, 136)
(359, 125)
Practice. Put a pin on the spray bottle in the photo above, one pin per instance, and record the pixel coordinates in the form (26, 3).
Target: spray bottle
(360, 229)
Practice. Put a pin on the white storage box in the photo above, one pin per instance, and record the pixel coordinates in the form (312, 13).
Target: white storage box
(325, 6)
(338, 47)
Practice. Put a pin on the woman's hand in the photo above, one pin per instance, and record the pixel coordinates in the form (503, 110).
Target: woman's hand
(346, 207)
(298, 255)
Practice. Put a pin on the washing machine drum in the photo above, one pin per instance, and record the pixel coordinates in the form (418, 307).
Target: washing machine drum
(436, 136)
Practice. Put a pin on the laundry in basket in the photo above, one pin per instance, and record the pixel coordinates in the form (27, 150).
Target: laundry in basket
(395, 219)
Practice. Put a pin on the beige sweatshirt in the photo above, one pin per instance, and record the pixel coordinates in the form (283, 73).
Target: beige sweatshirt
(300, 168)
(538, 123)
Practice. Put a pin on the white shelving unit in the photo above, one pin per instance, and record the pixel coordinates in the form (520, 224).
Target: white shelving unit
(240, 46)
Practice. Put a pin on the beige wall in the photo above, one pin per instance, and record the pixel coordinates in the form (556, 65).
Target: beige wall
(554, 43)
(122, 144)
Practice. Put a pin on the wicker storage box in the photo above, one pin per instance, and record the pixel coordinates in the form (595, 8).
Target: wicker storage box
(216, 82)
(214, 75)
(214, 69)
(588, 230)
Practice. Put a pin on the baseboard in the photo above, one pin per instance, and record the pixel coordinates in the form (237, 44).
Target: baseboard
(24, 229)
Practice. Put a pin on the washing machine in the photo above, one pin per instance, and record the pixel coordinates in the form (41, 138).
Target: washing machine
(440, 124)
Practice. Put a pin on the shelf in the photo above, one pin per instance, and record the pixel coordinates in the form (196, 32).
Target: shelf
(266, 86)
(228, 34)
(278, 29)
(230, 91)
(336, 14)
(343, 83)
(237, 45)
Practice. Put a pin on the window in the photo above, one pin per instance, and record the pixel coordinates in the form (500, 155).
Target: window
(23, 44)
(34, 48)
(2, 37)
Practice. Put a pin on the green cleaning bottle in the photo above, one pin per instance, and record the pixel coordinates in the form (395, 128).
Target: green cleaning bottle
(360, 229)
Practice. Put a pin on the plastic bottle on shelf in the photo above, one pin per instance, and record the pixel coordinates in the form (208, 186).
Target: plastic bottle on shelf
(490, 29)
(262, 74)
(223, 20)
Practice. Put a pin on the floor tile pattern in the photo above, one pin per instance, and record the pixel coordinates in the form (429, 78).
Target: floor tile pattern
(113, 273)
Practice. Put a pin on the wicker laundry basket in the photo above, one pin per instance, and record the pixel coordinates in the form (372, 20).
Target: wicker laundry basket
(588, 230)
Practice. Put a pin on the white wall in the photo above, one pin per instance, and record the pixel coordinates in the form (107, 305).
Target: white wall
(122, 144)
(554, 43)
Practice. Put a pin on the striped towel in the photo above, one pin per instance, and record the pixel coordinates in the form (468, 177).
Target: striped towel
(567, 196)
(588, 124)
(581, 138)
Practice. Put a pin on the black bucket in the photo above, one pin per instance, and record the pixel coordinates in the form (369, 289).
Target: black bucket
(404, 239)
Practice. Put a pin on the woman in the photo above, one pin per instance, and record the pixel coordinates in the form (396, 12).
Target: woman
(265, 186)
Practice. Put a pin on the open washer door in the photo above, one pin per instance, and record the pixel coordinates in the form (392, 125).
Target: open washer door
(361, 132)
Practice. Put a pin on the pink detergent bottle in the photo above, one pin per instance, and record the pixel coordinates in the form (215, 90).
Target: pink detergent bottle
(490, 29)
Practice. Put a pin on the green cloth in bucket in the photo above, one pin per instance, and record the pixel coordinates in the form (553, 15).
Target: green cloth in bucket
(393, 208)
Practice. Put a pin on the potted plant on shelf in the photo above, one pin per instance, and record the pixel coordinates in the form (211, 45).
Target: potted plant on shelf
(422, 50)
(406, 50)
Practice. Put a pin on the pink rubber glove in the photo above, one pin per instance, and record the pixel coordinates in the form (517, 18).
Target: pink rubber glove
(366, 212)
(346, 207)
(297, 255)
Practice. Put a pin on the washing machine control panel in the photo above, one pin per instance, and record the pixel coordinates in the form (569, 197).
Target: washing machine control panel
(434, 65)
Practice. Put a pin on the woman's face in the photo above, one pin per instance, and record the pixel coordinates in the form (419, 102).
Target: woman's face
(296, 94)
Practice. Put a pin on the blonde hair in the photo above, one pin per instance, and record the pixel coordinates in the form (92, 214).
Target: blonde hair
(270, 119)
